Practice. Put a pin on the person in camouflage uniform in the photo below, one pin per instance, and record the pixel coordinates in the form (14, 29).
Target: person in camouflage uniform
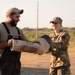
(59, 64)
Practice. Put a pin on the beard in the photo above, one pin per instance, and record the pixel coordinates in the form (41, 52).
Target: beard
(12, 23)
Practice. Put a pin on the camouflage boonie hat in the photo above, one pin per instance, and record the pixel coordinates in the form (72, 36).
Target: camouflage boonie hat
(14, 10)
(56, 20)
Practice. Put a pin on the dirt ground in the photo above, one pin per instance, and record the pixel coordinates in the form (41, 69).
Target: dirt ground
(34, 64)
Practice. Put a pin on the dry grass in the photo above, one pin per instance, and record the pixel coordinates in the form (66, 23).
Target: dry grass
(34, 64)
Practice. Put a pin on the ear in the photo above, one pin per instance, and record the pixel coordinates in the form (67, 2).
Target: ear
(10, 16)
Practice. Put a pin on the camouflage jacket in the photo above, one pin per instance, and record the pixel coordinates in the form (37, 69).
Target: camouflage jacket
(59, 47)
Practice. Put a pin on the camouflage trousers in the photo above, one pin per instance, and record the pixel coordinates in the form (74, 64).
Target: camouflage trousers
(60, 71)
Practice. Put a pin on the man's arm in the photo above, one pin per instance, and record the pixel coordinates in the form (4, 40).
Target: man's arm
(3, 45)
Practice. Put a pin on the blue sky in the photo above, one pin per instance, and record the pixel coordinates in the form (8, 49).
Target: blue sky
(47, 10)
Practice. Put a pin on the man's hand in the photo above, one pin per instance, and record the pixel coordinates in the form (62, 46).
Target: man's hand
(10, 42)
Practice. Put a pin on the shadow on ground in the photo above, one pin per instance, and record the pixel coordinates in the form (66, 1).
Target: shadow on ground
(34, 71)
